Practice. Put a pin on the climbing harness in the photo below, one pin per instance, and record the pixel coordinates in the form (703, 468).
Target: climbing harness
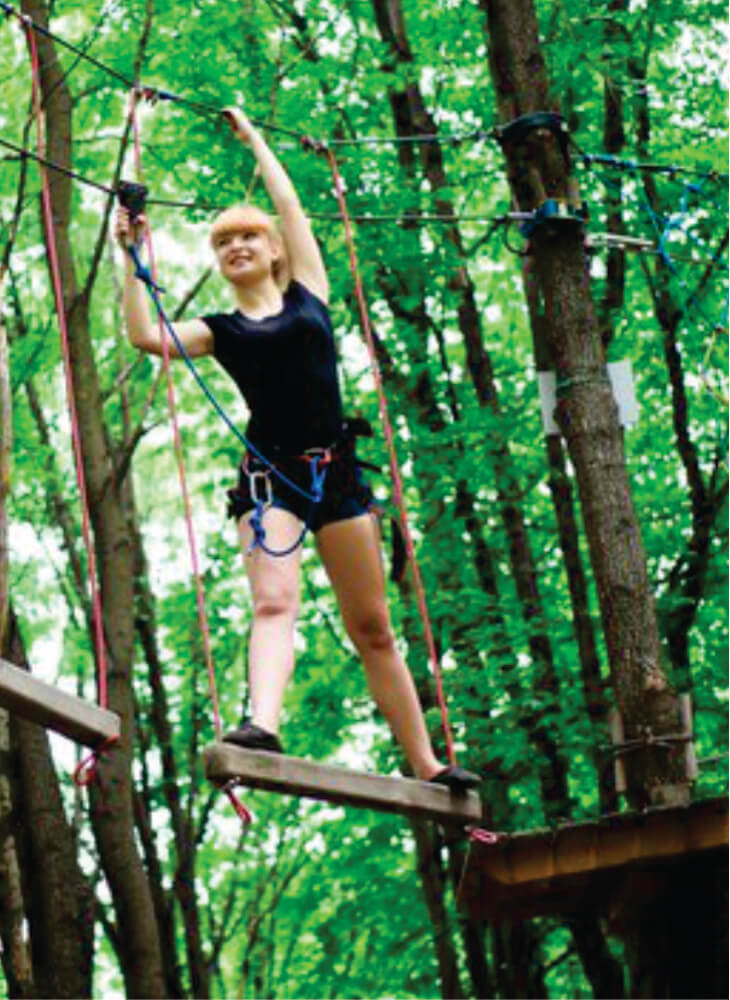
(262, 494)
(132, 197)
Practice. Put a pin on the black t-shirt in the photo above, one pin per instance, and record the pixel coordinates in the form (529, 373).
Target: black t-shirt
(286, 368)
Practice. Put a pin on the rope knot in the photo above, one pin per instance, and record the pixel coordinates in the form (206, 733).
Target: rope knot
(86, 769)
(141, 271)
(256, 522)
(317, 145)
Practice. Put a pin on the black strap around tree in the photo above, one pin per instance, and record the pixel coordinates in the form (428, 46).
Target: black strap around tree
(518, 129)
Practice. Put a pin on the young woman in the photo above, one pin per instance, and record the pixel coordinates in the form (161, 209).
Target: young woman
(278, 346)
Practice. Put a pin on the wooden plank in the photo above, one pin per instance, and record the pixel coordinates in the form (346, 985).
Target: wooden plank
(525, 871)
(23, 694)
(292, 776)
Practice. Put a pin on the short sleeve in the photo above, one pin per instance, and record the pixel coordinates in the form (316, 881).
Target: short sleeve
(219, 325)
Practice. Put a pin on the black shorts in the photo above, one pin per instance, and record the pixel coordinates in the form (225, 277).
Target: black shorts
(345, 493)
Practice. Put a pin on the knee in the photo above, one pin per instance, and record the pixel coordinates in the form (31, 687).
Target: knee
(372, 631)
(276, 602)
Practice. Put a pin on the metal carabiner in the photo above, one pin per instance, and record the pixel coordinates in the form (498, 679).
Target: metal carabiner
(322, 456)
(260, 481)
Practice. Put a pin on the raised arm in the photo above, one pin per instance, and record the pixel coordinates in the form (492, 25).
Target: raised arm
(305, 259)
(142, 331)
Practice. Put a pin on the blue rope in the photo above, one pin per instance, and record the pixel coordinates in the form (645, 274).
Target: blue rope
(142, 272)
(257, 523)
(670, 169)
(318, 473)
(663, 229)
(663, 226)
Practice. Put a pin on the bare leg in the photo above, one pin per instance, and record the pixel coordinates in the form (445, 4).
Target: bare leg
(350, 551)
(274, 582)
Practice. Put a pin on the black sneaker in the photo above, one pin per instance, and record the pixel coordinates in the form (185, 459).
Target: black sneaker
(253, 737)
(456, 779)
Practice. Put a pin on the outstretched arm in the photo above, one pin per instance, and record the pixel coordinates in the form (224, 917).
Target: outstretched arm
(143, 333)
(305, 259)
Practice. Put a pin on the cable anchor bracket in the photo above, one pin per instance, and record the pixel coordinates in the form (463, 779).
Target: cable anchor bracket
(555, 213)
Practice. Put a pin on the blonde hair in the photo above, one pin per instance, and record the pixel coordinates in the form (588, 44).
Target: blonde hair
(241, 217)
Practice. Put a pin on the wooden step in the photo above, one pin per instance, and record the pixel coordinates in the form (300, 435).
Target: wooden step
(293, 776)
(575, 866)
(23, 694)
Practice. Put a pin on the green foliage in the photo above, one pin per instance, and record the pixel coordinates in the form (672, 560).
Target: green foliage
(319, 901)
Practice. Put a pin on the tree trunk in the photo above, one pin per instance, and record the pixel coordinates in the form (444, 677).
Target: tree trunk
(707, 493)
(674, 924)
(517, 961)
(539, 169)
(16, 959)
(433, 882)
(412, 117)
(181, 821)
(57, 900)
(6, 448)
(111, 794)
(613, 141)
(562, 496)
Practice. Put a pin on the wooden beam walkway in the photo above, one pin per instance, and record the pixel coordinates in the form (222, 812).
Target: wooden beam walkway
(534, 872)
(292, 776)
(23, 694)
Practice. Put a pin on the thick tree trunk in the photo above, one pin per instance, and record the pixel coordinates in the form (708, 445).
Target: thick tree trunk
(411, 116)
(56, 898)
(182, 824)
(6, 446)
(586, 412)
(562, 496)
(111, 795)
(16, 959)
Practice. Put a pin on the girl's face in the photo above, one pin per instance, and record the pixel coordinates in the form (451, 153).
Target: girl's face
(246, 245)
(245, 256)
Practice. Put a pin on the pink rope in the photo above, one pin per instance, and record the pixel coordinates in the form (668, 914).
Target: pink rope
(241, 810)
(53, 262)
(243, 813)
(85, 770)
(481, 836)
(393, 457)
(192, 545)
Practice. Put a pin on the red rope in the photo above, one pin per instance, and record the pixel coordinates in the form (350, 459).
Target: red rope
(179, 458)
(243, 813)
(481, 836)
(393, 457)
(85, 770)
(53, 262)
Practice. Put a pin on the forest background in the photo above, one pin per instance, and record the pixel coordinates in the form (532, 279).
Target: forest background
(152, 889)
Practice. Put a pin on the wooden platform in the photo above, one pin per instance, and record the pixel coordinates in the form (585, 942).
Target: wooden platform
(576, 865)
(23, 694)
(293, 776)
